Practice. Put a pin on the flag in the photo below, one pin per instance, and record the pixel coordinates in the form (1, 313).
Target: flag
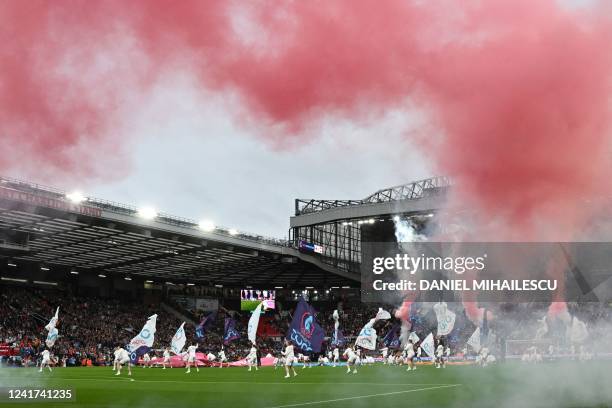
(230, 334)
(51, 337)
(178, 341)
(428, 345)
(392, 339)
(53, 332)
(143, 342)
(205, 323)
(382, 314)
(474, 340)
(338, 338)
(305, 333)
(413, 337)
(446, 319)
(367, 336)
(578, 331)
(253, 323)
(53, 322)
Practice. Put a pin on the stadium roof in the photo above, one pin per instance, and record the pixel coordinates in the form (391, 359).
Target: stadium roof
(419, 196)
(40, 226)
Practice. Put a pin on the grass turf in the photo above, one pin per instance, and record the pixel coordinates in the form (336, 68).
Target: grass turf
(553, 384)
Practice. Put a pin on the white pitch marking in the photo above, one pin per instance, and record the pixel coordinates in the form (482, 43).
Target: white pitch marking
(364, 396)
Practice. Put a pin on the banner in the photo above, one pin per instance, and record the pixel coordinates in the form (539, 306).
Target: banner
(428, 345)
(367, 336)
(230, 333)
(305, 333)
(392, 339)
(205, 323)
(253, 323)
(143, 342)
(178, 340)
(53, 332)
(474, 340)
(446, 319)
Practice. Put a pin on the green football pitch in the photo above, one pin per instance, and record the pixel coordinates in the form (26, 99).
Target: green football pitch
(503, 385)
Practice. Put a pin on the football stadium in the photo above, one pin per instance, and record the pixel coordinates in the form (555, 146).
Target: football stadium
(481, 278)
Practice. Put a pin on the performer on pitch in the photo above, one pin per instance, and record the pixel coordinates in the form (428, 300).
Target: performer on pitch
(222, 358)
(351, 360)
(191, 358)
(251, 359)
(122, 357)
(336, 353)
(410, 356)
(166, 358)
(289, 358)
(146, 360)
(46, 360)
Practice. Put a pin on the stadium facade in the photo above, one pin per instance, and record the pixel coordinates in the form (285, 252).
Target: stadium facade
(336, 228)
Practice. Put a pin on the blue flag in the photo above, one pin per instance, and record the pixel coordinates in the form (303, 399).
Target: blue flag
(305, 333)
(230, 333)
(392, 339)
(205, 323)
(338, 338)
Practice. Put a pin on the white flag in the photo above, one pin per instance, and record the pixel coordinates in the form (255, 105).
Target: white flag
(428, 345)
(146, 335)
(53, 332)
(446, 319)
(474, 340)
(53, 320)
(336, 318)
(51, 337)
(178, 341)
(367, 336)
(578, 331)
(413, 337)
(382, 314)
(253, 323)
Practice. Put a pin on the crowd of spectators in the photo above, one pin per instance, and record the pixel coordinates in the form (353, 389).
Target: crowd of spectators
(90, 327)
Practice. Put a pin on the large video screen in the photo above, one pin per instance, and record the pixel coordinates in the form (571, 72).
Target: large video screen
(250, 298)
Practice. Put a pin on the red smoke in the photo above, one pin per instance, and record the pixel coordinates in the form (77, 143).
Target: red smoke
(516, 93)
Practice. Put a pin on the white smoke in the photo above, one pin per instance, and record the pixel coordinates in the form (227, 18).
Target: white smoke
(406, 232)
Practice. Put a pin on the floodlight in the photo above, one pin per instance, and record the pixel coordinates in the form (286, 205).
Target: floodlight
(76, 197)
(206, 225)
(147, 213)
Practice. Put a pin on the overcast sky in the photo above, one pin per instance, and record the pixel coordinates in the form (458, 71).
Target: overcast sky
(198, 161)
